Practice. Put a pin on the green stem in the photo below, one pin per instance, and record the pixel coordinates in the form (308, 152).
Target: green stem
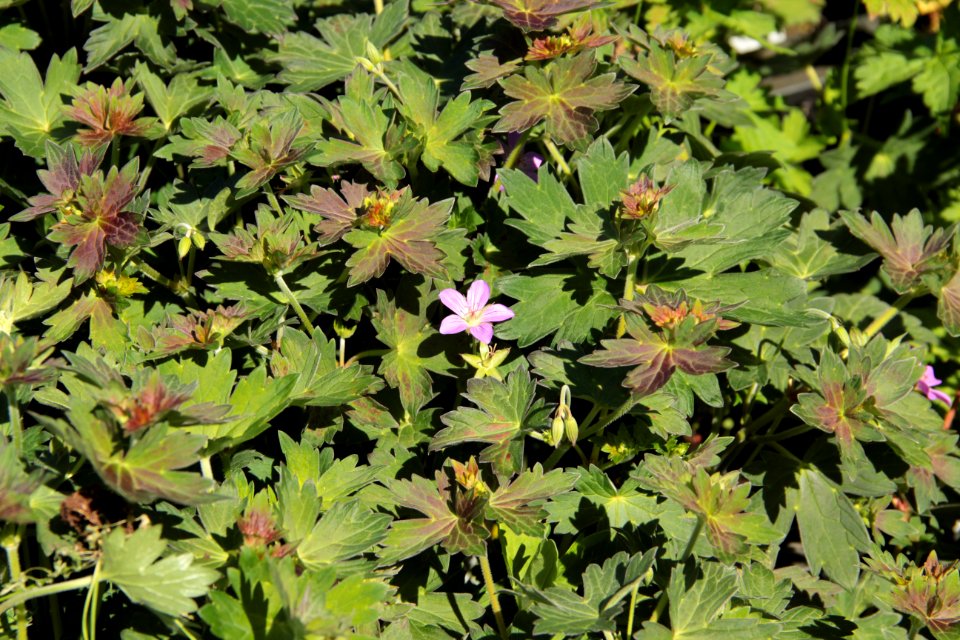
(115, 152)
(88, 624)
(588, 431)
(881, 320)
(366, 354)
(783, 435)
(292, 299)
(492, 594)
(662, 601)
(633, 607)
(151, 160)
(786, 453)
(557, 156)
(191, 264)
(13, 563)
(158, 277)
(517, 150)
(16, 424)
(206, 469)
(629, 289)
(47, 590)
(583, 457)
(272, 197)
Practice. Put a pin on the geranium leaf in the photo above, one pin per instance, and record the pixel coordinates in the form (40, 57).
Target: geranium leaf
(909, 251)
(166, 585)
(830, 528)
(32, 107)
(310, 63)
(537, 15)
(565, 95)
(503, 409)
(518, 504)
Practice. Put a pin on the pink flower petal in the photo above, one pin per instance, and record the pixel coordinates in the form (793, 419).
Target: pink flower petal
(495, 313)
(929, 377)
(933, 394)
(454, 300)
(453, 324)
(482, 332)
(477, 295)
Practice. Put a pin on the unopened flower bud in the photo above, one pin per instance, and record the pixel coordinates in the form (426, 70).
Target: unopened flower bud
(571, 428)
(183, 247)
(556, 430)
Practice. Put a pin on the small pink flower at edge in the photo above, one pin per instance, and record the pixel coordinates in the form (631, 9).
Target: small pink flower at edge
(926, 386)
(473, 314)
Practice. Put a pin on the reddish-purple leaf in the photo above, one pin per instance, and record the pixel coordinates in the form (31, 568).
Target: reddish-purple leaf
(339, 211)
(61, 178)
(702, 360)
(537, 15)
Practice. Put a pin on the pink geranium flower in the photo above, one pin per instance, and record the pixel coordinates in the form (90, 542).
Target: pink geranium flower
(926, 386)
(473, 314)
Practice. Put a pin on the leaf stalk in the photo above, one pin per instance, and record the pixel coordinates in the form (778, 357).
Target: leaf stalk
(292, 299)
(492, 594)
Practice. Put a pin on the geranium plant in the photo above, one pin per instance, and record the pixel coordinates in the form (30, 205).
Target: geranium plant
(482, 319)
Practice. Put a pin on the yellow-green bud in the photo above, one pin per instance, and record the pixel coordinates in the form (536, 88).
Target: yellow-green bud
(571, 428)
(556, 430)
(183, 247)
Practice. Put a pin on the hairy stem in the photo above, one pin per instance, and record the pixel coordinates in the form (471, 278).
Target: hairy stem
(12, 548)
(492, 594)
(292, 299)
(47, 590)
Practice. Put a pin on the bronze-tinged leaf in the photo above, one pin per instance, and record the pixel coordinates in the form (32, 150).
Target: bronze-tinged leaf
(339, 211)
(61, 178)
(518, 504)
(702, 360)
(651, 376)
(108, 113)
(909, 251)
(564, 94)
(487, 69)
(948, 305)
(407, 538)
(88, 240)
(405, 231)
(537, 15)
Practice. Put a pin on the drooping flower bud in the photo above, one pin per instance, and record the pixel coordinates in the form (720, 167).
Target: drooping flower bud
(556, 430)
(571, 428)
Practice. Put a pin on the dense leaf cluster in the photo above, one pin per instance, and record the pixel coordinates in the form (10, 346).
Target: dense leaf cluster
(246, 267)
